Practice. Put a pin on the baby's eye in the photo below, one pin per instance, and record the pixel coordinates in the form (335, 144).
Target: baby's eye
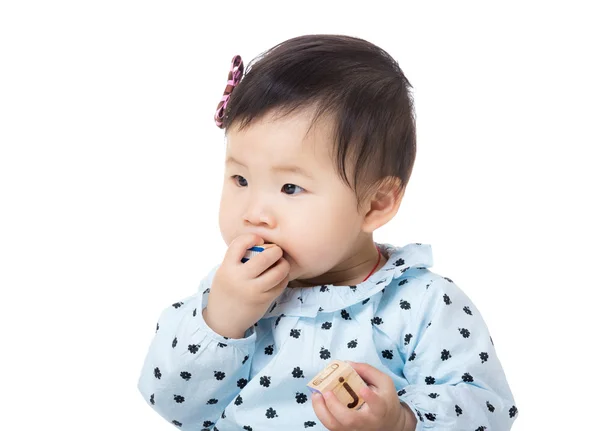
(290, 187)
(235, 179)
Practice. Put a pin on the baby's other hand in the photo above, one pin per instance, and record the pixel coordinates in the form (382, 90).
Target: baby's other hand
(382, 409)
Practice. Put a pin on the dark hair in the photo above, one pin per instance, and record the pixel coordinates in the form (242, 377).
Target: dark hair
(355, 82)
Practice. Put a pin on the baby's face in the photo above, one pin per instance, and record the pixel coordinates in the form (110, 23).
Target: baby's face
(280, 184)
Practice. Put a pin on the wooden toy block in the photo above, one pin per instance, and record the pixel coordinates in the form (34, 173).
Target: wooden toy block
(340, 378)
(253, 251)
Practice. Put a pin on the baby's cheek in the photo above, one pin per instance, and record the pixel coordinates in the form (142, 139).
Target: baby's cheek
(226, 232)
(315, 259)
(307, 242)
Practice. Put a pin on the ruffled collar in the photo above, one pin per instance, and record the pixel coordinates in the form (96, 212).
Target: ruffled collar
(309, 301)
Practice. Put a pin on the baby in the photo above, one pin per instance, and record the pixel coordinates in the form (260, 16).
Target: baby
(321, 142)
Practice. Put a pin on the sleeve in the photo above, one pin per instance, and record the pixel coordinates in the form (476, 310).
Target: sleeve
(190, 373)
(455, 379)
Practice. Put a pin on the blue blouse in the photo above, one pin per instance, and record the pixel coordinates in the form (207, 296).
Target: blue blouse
(412, 324)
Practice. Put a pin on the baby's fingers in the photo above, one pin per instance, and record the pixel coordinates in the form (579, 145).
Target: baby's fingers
(325, 416)
(238, 247)
(374, 402)
(275, 275)
(262, 261)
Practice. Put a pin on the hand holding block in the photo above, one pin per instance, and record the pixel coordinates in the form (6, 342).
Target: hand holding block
(340, 378)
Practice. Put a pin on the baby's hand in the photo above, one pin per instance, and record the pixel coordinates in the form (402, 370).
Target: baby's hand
(382, 409)
(241, 292)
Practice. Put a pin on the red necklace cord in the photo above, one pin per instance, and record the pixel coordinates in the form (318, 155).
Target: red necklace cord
(376, 265)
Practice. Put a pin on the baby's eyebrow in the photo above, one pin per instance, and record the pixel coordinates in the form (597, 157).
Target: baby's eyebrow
(281, 168)
(293, 169)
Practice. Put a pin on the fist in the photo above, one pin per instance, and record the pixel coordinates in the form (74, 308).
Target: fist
(241, 293)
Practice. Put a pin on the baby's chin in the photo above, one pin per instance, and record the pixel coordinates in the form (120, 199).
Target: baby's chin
(294, 284)
(295, 272)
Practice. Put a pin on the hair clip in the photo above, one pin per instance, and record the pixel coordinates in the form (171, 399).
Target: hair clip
(235, 75)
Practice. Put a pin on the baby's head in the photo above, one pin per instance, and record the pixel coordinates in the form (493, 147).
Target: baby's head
(321, 142)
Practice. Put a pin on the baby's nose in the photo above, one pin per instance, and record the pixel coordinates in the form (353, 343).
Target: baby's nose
(259, 215)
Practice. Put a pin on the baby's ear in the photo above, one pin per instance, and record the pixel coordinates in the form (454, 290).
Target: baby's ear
(383, 204)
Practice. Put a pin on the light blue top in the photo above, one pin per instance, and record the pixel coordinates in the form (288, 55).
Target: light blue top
(405, 320)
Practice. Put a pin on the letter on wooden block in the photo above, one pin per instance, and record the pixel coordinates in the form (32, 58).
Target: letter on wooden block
(340, 378)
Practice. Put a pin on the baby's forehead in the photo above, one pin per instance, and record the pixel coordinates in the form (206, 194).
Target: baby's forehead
(291, 140)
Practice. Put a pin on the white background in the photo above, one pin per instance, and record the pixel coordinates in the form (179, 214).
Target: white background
(110, 174)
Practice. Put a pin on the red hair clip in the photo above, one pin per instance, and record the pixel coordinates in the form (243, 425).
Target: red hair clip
(235, 75)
